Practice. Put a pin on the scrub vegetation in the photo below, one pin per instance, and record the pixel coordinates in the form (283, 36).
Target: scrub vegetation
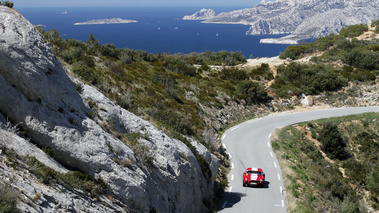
(180, 92)
(331, 164)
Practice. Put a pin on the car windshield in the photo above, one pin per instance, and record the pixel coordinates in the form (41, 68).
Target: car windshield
(253, 172)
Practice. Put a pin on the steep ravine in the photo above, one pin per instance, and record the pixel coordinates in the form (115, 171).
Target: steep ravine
(37, 94)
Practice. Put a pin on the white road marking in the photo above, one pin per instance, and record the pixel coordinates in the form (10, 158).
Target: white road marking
(282, 203)
(223, 137)
(230, 189)
(281, 190)
(278, 176)
(232, 165)
(269, 136)
(275, 165)
(272, 155)
(268, 144)
(223, 145)
(232, 178)
(234, 128)
(230, 156)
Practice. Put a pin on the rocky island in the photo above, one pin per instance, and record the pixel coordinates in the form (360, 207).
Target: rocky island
(302, 20)
(106, 21)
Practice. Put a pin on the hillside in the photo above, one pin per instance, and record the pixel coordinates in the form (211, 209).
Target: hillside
(330, 164)
(107, 129)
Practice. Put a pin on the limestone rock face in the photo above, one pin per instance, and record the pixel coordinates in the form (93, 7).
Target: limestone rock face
(203, 14)
(302, 19)
(160, 173)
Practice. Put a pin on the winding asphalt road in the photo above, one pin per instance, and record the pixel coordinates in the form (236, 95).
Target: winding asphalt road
(248, 145)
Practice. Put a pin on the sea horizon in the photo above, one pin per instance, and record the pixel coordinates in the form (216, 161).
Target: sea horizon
(158, 29)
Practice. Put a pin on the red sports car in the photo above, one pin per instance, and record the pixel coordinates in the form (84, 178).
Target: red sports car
(254, 177)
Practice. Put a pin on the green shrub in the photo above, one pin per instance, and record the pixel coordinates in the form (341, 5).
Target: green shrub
(7, 3)
(8, 199)
(70, 180)
(71, 55)
(108, 50)
(233, 74)
(355, 170)
(251, 92)
(376, 25)
(368, 144)
(262, 72)
(296, 51)
(86, 73)
(307, 79)
(361, 58)
(332, 141)
(373, 180)
(353, 30)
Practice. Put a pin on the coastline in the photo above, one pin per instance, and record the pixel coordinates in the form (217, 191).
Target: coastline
(278, 41)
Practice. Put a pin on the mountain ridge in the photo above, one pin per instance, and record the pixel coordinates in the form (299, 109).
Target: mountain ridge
(302, 20)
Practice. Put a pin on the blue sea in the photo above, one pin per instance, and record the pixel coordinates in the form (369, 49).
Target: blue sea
(158, 30)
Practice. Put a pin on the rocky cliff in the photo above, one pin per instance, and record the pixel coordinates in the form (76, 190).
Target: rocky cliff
(301, 19)
(203, 14)
(38, 95)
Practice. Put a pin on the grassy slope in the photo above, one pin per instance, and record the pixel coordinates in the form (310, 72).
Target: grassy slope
(316, 183)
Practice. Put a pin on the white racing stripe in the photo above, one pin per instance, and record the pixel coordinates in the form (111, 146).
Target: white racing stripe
(223, 206)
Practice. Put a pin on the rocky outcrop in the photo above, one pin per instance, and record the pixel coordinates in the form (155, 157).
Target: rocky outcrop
(301, 19)
(203, 14)
(37, 94)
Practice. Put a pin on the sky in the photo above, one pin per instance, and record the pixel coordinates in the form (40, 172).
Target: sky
(112, 3)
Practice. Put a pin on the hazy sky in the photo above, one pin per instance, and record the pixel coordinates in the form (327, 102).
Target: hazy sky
(110, 3)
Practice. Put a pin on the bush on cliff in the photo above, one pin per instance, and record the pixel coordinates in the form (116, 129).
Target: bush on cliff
(8, 199)
(7, 3)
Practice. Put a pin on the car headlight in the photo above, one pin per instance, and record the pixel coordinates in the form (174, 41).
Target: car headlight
(245, 179)
(261, 180)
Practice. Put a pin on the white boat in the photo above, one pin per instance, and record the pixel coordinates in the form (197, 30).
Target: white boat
(65, 12)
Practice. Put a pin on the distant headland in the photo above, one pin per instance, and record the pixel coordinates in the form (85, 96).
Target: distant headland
(107, 21)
